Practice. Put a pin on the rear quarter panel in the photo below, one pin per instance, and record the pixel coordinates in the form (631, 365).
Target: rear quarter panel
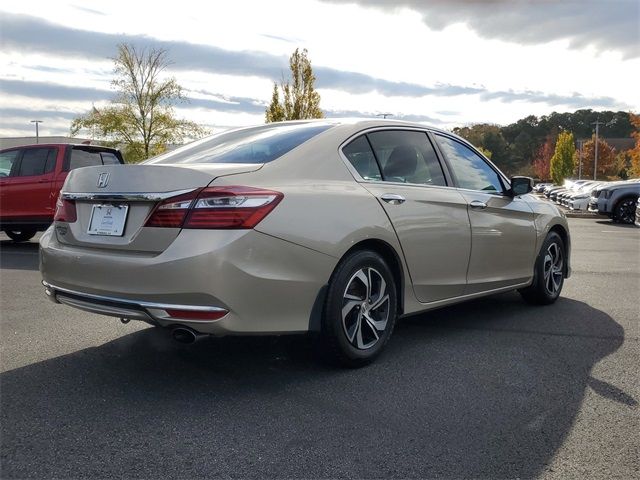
(324, 208)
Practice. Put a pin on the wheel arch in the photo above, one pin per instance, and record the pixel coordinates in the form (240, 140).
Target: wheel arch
(622, 198)
(389, 254)
(564, 235)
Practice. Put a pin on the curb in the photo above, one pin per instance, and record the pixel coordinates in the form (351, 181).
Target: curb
(574, 214)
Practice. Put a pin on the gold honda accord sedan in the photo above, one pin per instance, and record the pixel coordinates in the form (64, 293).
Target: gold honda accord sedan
(332, 227)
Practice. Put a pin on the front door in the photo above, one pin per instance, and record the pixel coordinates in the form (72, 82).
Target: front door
(502, 226)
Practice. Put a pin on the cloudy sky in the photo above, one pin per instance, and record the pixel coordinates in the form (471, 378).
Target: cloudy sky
(443, 62)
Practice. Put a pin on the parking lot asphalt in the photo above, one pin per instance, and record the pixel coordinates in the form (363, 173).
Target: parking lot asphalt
(489, 389)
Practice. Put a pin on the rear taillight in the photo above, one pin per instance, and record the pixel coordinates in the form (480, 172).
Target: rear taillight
(65, 211)
(231, 207)
(171, 212)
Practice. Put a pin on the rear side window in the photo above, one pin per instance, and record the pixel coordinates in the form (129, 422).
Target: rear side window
(37, 161)
(407, 156)
(261, 144)
(109, 158)
(7, 159)
(84, 158)
(360, 155)
(91, 158)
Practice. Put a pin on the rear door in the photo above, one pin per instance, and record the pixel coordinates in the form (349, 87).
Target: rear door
(400, 168)
(26, 192)
(503, 230)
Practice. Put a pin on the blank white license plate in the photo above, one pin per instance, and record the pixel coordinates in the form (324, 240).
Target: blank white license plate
(108, 220)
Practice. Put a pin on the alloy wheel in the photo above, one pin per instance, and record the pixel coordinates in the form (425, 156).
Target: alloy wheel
(365, 308)
(626, 211)
(553, 268)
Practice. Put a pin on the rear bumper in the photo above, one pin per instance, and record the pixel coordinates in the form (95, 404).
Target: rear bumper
(150, 312)
(267, 285)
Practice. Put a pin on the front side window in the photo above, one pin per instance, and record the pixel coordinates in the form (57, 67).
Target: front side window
(261, 144)
(37, 161)
(7, 159)
(469, 168)
(407, 156)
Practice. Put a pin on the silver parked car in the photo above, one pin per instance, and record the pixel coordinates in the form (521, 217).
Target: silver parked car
(331, 227)
(616, 200)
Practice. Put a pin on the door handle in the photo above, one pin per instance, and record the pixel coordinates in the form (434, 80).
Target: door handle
(477, 204)
(393, 198)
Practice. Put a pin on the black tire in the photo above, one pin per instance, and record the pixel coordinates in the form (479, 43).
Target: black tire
(546, 289)
(625, 211)
(20, 235)
(354, 340)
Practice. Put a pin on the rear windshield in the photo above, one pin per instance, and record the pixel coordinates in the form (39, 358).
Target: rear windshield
(261, 144)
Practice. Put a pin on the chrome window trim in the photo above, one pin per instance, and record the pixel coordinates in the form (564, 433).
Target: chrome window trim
(135, 303)
(360, 179)
(125, 197)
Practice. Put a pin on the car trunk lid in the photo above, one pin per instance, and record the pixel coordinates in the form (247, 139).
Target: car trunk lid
(112, 203)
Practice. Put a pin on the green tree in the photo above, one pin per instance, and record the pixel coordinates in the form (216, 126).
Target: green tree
(300, 99)
(141, 116)
(562, 160)
(485, 152)
(487, 137)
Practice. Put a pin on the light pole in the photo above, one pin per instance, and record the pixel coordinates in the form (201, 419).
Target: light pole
(37, 133)
(597, 123)
(580, 143)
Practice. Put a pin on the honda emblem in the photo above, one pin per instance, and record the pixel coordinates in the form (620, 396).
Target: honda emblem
(103, 180)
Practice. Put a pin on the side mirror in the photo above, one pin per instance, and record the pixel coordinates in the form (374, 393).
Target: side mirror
(521, 185)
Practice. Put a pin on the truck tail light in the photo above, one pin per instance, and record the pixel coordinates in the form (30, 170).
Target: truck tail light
(232, 207)
(65, 211)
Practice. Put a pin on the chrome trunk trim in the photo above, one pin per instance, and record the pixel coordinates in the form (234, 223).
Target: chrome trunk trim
(124, 197)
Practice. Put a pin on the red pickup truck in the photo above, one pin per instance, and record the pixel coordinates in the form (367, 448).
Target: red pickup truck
(31, 177)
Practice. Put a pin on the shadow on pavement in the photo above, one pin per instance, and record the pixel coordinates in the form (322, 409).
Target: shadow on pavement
(611, 223)
(486, 389)
(19, 256)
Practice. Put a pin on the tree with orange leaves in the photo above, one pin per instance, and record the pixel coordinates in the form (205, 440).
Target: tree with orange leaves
(606, 159)
(634, 171)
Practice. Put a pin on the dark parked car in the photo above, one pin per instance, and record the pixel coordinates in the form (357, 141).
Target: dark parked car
(31, 177)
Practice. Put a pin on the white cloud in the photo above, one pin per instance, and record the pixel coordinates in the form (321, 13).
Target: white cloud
(391, 45)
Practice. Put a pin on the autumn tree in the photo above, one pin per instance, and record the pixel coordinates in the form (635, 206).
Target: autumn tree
(562, 159)
(606, 159)
(141, 116)
(300, 100)
(542, 160)
(634, 170)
